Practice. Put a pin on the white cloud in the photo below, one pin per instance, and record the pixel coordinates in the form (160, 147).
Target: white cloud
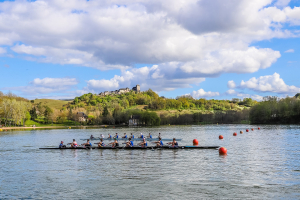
(54, 82)
(158, 78)
(116, 34)
(185, 40)
(46, 86)
(231, 84)
(282, 3)
(289, 51)
(2, 50)
(202, 94)
(269, 83)
(231, 92)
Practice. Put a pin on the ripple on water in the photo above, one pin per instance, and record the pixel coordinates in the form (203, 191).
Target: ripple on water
(259, 164)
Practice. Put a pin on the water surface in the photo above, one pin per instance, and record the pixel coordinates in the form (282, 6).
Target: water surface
(260, 164)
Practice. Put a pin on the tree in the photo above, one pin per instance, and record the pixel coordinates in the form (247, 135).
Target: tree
(105, 111)
(47, 113)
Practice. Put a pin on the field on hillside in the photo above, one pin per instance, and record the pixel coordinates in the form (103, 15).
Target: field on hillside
(52, 103)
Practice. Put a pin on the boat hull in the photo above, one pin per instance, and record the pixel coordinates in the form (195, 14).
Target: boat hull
(137, 147)
(135, 139)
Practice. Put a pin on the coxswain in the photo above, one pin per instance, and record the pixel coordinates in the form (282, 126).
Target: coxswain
(143, 143)
(129, 143)
(125, 136)
(92, 137)
(142, 136)
(61, 145)
(73, 144)
(109, 136)
(116, 136)
(174, 143)
(159, 143)
(115, 143)
(149, 136)
(88, 143)
(101, 143)
(131, 136)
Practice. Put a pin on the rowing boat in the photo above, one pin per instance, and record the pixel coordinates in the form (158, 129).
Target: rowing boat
(138, 147)
(134, 139)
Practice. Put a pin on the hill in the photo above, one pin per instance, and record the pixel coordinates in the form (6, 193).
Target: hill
(52, 103)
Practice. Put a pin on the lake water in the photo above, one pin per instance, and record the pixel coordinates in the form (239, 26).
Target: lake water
(260, 164)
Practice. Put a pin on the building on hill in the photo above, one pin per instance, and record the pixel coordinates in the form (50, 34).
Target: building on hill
(81, 116)
(137, 89)
(121, 91)
(134, 120)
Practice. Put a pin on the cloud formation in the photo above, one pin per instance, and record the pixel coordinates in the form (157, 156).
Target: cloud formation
(289, 51)
(231, 84)
(269, 83)
(202, 94)
(46, 85)
(118, 34)
(184, 41)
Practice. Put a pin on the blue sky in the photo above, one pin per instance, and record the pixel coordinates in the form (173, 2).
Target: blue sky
(62, 49)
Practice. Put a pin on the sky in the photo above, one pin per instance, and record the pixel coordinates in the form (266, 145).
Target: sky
(216, 49)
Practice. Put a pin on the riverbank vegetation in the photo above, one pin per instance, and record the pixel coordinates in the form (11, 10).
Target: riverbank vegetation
(148, 107)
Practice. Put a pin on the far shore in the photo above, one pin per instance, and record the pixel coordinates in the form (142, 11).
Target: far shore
(53, 127)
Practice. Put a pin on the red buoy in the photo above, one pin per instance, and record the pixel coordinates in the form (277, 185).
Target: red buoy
(252, 129)
(241, 132)
(221, 137)
(247, 130)
(258, 128)
(195, 142)
(222, 151)
(234, 134)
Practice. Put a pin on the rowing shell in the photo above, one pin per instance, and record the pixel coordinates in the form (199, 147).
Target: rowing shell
(141, 148)
(134, 139)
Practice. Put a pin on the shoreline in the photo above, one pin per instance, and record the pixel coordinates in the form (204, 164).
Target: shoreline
(53, 127)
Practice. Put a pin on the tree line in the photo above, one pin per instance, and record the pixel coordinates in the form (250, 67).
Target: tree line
(273, 110)
(14, 110)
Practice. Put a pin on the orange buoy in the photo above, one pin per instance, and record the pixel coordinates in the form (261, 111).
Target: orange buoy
(252, 129)
(222, 150)
(247, 130)
(221, 137)
(258, 128)
(195, 142)
(241, 132)
(234, 134)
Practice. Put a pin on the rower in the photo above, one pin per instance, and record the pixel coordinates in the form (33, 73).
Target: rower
(101, 136)
(143, 143)
(61, 145)
(131, 136)
(101, 143)
(174, 143)
(159, 143)
(115, 143)
(92, 137)
(159, 136)
(73, 144)
(149, 136)
(125, 136)
(116, 136)
(142, 136)
(129, 143)
(109, 136)
(88, 143)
